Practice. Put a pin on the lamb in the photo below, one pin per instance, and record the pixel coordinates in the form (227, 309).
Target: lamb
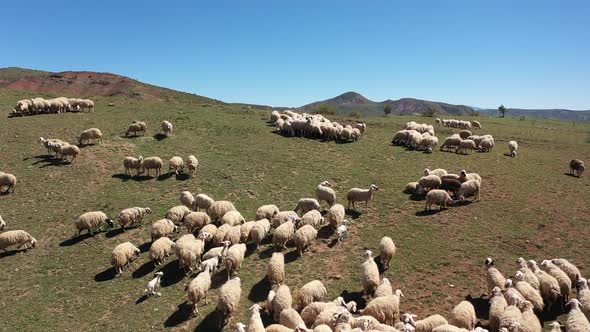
(191, 164)
(161, 249)
(313, 291)
(132, 163)
(17, 238)
(425, 325)
(577, 167)
(279, 300)
(218, 208)
(385, 309)
(468, 188)
(166, 128)
(429, 182)
(548, 285)
(466, 144)
(234, 234)
(233, 258)
(464, 176)
(136, 127)
(497, 306)
(304, 237)
(565, 284)
(307, 204)
(176, 164)
(187, 199)
(69, 150)
(369, 275)
(529, 275)
(124, 254)
(189, 249)
(275, 269)
(2, 223)
(198, 288)
(284, 216)
(411, 188)
(283, 234)
(576, 320)
(570, 269)
(513, 147)
(161, 228)
(177, 213)
(203, 202)
(361, 195)
(132, 215)
(313, 218)
(439, 197)
(259, 232)
(336, 215)
(530, 294)
(150, 163)
(493, 276)
(217, 251)
(90, 134)
(266, 212)
(386, 251)
(529, 319)
(325, 193)
(154, 284)
(194, 221)
(463, 315)
(232, 218)
(90, 220)
(7, 180)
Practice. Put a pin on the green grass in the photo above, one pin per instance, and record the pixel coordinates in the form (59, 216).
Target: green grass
(529, 208)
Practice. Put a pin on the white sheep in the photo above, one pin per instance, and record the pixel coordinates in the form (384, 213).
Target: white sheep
(176, 164)
(2, 223)
(220, 234)
(229, 298)
(191, 164)
(548, 285)
(428, 182)
(266, 211)
(513, 147)
(325, 193)
(290, 318)
(313, 291)
(284, 216)
(528, 292)
(232, 218)
(470, 188)
(529, 275)
(177, 213)
(465, 145)
(386, 251)
(90, 220)
(161, 228)
(494, 277)
(497, 305)
(464, 176)
(438, 172)
(283, 234)
(124, 254)
(424, 325)
(233, 258)
(245, 229)
(307, 204)
(583, 295)
(275, 269)
(385, 308)
(90, 134)
(154, 284)
(369, 274)
(256, 324)
(313, 218)
(202, 202)
(150, 163)
(166, 128)
(259, 231)
(475, 124)
(576, 320)
(161, 249)
(439, 197)
(132, 215)
(570, 269)
(69, 150)
(565, 284)
(17, 238)
(279, 300)
(411, 188)
(132, 163)
(384, 289)
(187, 199)
(529, 318)
(342, 232)
(136, 127)
(216, 251)
(361, 195)
(218, 208)
(198, 288)
(304, 237)
(194, 221)
(486, 144)
(336, 215)
(463, 315)
(234, 235)
(189, 249)
(7, 180)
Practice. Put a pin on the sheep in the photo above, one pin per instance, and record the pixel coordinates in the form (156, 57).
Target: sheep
(198, 288)
(311, 311)
(411, 188)
(464, 176)
(284, 216)
(176, 164)
(217, 251)
(451, 185)
(307, 204)
(17, 238)
(486, 144)
(466, 144)
(259, 231)
(584, 295)
(450, 142)
(313, 291)
(438, 172)
(497, 305)
(463, 315)
(220, 234)
(448, 328)
(132, 215)
(439, 197)
(194, 221)
(275, 269)
(335, 215)
(475, 124)
(283, 234)
(576, 320)
(90, 220)
(69, 150)
(341, 232)
(511, 318)
(304, 237)
(187, 199)
(384, 288)
(153, 285)
(166, 128)
(468, 188)
(210, 229)
(161, 249)
(132, 163)
(202, 202)
(255, 320)
(7, 180)
(290, 318)
(234, 234)
(124, 254)
(279, 300)
(385, 309)
(189, 249)
(150, 163)
(191, 164)
(233, 258)
(90, 134)
(370, 274)
(245, 231)
(400, 137)
(548, 285)
(577, 167)
(325, 193)
(464, 134)
(529, 275)
(136, 127)
(386, 251)
(266, 212)
(494, 277)
(512, 148)
(565, 284)
(555, 327)
(2, 223)
(218, 208)
(428, 182)
(570, 269)
(313, 218)
(361, 195)
(161, 228)
(529, 319)
(232, 218)
(424, 325)
(177, 213)
(530, 294)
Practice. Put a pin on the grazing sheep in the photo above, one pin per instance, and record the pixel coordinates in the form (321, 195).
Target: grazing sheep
(385, 309)
(529, 318)
(463, 315)
(69, 150)
(90, 134)
(313, 291)
(90, 220)
(424, 325)
(429, 182)
(220, 234)
(17, 238)
(132, 163)
(259, 231)
(307, 204)
(218, 208)
(468, 188)
(584, 295)
(464, 134)
(577, 167)
(283, 234)
(310, 313)
(136, 127)
(203, 202)
(279, 300)
(529, 275)
(486, 144)
(187, 199)
(152, 163)
(336, 215)
(153, 285)
(211, 230)
(234, 235)
(513, 147)
(124, 254)
(361, 195)
(161, 249)
(275, 269)
(565, 284)
(384, 288)
(2, 223)
(464, 145)
(194, 221)
(177, 213)
(475, 124)
(464, 176)
(451, 185)
(233, 258)
(439, 197)
(576, 320)
(529, 292)
(438, 172)
(176, 164)
(161, 228)
(232, 218)
(304, 237)
(290, 318)
(570, 269)
(166, 128)
(313, 218)
(325, 193)
(198, 288)
(494, 277)
(548, 285)
(7, 180)
(266, 212)
(411, 188)
(284, 216)
(245, 229)
(256, 324)
(189, 249)
(386, 251)
(369, 275)
(132, 215)
(497, 306)
(191, 164)
(450, 143)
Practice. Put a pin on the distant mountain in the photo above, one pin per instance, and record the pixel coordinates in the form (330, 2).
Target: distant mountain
(560, 114)
(349, 102)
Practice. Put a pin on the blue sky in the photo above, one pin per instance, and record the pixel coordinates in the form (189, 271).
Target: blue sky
(533, 54)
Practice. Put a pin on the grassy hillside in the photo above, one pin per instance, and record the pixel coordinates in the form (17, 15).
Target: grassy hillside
(529, 208)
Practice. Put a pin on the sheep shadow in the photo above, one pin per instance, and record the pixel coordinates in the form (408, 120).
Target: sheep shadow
(142, 299)
(75, 240)
(291, 256)
(416, 197)
(571, 175)
(424, 213)
(325, 232)
(182, 177)
(354, 214)
(218, 279)
(143, 270)
(50, 161)
(357, 297)
(145, 247)
(114, 232)
(380, 265)
(462, 203)
(266, 253)
(333, 243)
(6, 193)
(259, 291)
(481, 305)
(182, 314)
(10, 253)
(173, 273)
(125, 177)
(165, 176)
(211, 322)
(159, 136)
(106, 275)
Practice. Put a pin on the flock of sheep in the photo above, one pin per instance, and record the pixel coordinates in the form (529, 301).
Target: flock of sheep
(51, 106)
(315, 126)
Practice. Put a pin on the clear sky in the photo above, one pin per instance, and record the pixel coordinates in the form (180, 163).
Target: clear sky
(529, 54)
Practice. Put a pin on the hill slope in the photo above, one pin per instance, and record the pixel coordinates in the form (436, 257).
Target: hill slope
(561, 114)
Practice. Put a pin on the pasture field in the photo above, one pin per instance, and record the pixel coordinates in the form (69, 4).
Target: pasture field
(529, 207)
